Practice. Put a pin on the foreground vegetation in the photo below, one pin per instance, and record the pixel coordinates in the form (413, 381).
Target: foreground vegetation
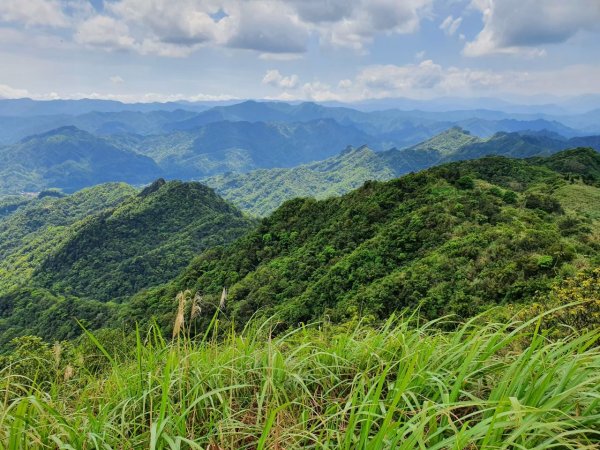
(405, 385)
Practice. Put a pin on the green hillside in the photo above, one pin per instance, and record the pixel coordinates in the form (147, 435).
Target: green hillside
(455, 239)
(144, 241)
(70, 159)
(448, 142)
(260, 192)
(74, 256)
(40, 225)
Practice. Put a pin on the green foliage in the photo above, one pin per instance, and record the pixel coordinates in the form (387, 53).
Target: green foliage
(40, 225)
(10, 203)
(144, 241)
(404, 385)
(418, 241)
(63, 259)
(261, 192)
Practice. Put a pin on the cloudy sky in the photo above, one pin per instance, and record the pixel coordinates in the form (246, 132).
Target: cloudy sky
(345, 50)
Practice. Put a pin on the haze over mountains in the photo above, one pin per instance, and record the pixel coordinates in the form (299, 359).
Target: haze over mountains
(67, 145)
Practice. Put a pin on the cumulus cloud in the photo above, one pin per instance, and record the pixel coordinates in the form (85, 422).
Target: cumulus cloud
(520, 26)
(429, 79)
(105, 32)
(266, 26)
(186, 23)
(270, 27)
(450, 25)
(33, 12)
(364, 19)
(10, 92)
(274, 78)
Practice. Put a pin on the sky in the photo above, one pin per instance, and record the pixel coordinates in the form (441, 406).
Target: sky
(319, 50)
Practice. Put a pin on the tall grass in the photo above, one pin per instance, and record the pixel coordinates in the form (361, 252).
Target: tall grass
(402, 386)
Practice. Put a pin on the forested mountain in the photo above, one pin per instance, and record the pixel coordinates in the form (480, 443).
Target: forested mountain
(37, 227)
(262, 191)
(144, 241)
(72, 257)
(240, 146)
(70, 159)
(108, 242)
(454, 239)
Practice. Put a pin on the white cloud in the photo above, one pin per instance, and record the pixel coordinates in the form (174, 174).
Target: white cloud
(450, 25)
(105, 32)
(277, 29)
(521, 26)
(429, 80)
(10, 92)
(267, 26)
(116, 79)
(274, 78)
(364, 19)
(186, 23)
(319, 92)
(33, 12)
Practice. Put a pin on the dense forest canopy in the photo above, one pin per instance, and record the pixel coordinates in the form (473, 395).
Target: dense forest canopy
(454, 239)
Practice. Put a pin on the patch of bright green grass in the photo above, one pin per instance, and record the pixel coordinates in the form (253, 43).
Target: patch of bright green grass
(402, 386)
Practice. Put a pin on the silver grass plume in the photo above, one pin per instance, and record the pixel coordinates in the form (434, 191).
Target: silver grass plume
(57, 352)
(223, 299)
(196, 308)
(179, 318)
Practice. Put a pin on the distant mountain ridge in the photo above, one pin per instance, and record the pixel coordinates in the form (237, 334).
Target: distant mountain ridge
(262, 191)
(70, 159)
(399, 128)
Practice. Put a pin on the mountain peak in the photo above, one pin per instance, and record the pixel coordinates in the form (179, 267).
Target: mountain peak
(67, 130)
(448, 142)
(155, 186)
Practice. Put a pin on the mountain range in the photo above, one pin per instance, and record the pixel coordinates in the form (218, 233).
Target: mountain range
(455, 238)
(69, 158)
(262, 191)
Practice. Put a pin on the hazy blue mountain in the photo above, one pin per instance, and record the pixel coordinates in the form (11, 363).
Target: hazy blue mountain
(390, 127)
(400, 128)
(26, 107)
(241, 146)
(69, 158)
(13, 129)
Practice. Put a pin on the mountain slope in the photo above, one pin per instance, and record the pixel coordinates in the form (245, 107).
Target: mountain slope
(69, 159)
(453, 239)
(447, 142)
(260, 192)
(224, 146)
(40, 225)
(144, 241)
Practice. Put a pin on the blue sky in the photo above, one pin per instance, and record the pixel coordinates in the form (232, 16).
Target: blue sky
(323, 50)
